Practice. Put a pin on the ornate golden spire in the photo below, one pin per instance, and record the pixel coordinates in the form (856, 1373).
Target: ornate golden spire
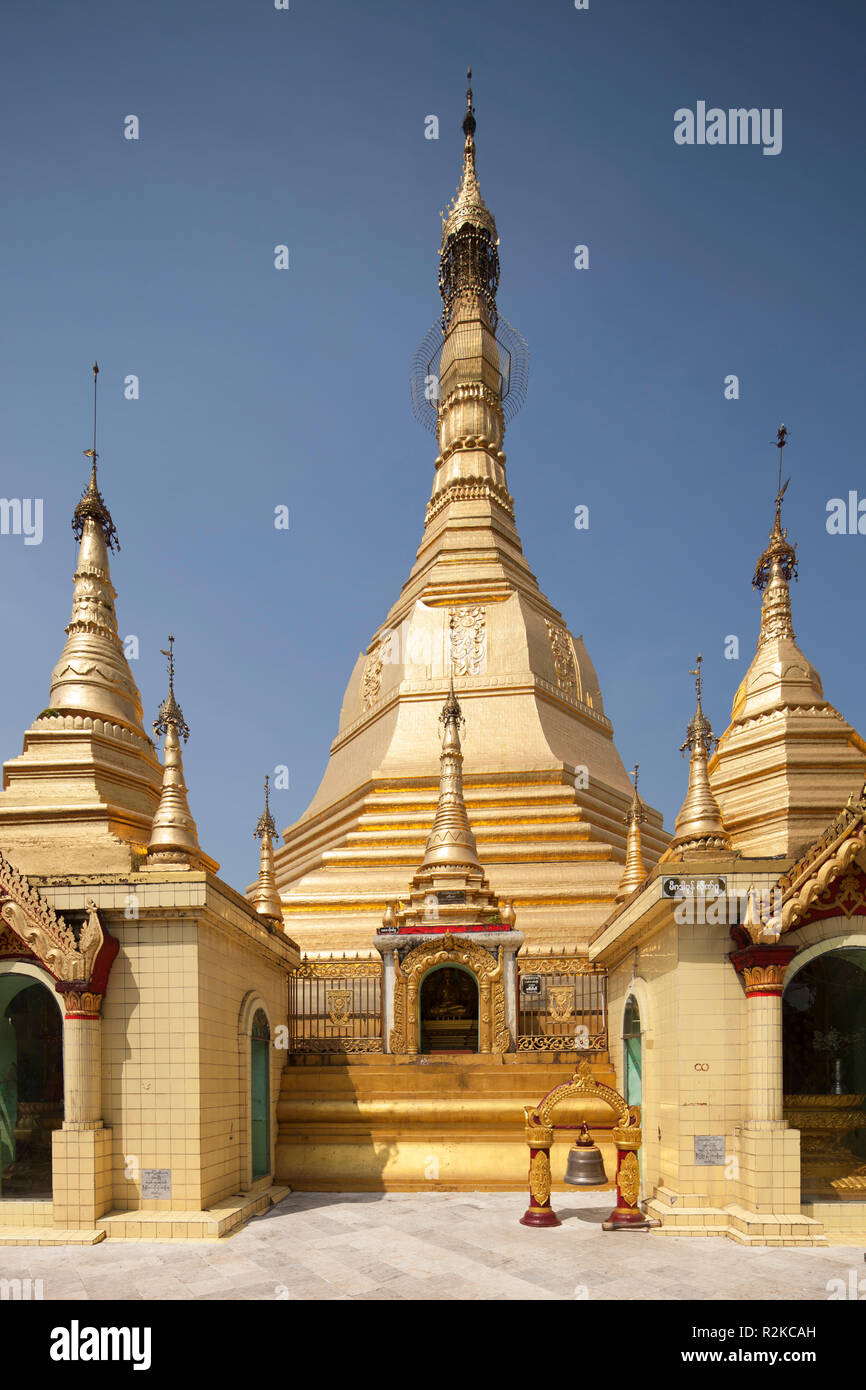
(450, 887)
(92, 677)
(173, 837)
(776, 567)
(469, 259)
(451, 843)
(265, 898)
(634, 872)
(699, 823)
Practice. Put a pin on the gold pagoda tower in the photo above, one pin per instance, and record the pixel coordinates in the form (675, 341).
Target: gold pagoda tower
(546, 791)
(788, 759)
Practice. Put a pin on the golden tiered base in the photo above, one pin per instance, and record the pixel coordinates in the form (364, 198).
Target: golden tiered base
(436, 1122)
(557, 851)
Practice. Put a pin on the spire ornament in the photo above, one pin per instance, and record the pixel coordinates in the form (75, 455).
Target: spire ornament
(265, 897)
(634, 872)
(699, 824)
(776, 567)
(92, 506)
(470, 372)
(170, 712)
(469, 256)
(174, 838)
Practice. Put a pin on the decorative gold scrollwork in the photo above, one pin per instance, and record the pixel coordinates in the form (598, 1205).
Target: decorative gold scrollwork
(494, 1035)
(628, 1179)
(539, 1177)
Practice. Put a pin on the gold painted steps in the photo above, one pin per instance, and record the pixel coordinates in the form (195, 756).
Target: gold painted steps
(440, 1122)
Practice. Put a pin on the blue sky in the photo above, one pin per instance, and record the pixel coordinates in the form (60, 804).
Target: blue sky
(259, 387)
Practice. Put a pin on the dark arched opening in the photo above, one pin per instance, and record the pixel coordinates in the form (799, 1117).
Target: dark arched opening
(824, 1071)
(260, 1095)
(448, 1004)
(31, 1085)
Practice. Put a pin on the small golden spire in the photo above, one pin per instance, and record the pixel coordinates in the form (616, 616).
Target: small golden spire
(699, 823)
(265, 898)
(92, 677)
(451, 843)
(776, 567)
(634, 872)
(174, 838)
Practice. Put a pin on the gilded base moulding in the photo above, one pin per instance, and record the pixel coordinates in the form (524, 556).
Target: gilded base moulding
(424, 1123)
(829, 1168)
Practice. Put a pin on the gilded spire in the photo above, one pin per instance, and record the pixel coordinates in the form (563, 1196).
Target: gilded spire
(265, 898)
(173, 836)
(699, 823)
(634, 872)
(469, 259)
(92, 677)
(451, 843)
(450, 887)
(776, 567)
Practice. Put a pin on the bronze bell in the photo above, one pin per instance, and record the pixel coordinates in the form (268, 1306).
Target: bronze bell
(585, 1166)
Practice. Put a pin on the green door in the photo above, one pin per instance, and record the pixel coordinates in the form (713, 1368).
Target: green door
(633, 1058)
(632, 1062)
(260, 1044)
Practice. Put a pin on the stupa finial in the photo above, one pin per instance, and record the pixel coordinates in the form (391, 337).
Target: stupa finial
(173, 837)
(777, 566)
(92, 506)
(699, 823)
(265, 897)
(265, 825)
(170, 711)
(634, 872)
(469, 258)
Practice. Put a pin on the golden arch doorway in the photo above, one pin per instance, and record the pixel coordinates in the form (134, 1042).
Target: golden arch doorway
(448, 1010)
(409, 973)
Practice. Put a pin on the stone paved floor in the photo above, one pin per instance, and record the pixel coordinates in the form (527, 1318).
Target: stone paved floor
(430, 1246)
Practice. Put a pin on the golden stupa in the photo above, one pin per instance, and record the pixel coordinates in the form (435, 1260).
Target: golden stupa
(546, 790)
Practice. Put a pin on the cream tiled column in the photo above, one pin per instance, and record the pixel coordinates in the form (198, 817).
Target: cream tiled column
(764, 1060)
(81, 1150)
(82, 1089)
(769, 1169)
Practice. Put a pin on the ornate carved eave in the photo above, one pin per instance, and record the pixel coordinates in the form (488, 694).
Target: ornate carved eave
(825, 881)
(806, 887)
(80, 968)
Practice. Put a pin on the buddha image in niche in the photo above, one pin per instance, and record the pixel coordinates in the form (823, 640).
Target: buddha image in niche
(450, 993)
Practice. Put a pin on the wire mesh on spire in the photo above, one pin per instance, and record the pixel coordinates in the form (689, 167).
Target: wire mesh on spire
(424, 372)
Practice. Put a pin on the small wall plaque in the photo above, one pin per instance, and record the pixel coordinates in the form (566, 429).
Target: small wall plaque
(710, 1150)
(694, 887)
(156, 1182)
(451, 895)
(530, 984)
